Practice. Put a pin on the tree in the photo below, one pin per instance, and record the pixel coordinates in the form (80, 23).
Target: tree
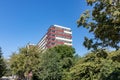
(8, 70)
(56, 63)
(2, 65)
(26, 61)
(94, 66)
(104, 22)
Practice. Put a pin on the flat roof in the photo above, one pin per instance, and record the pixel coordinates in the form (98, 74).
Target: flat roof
(61, 26)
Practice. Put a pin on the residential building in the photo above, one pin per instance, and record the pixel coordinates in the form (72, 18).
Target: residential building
(56, 35)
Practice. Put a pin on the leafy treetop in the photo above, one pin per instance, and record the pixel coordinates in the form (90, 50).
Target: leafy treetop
(104, 22)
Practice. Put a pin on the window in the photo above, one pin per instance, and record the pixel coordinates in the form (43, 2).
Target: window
(53, 39)
(53, 34)
(53, 30)
(53, 43)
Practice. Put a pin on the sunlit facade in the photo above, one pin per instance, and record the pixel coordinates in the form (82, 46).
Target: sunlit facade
(56, 35)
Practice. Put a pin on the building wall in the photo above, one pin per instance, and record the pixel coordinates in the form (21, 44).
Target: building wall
(56, 35)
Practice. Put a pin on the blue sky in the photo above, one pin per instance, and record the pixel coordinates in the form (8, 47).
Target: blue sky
(24, 21)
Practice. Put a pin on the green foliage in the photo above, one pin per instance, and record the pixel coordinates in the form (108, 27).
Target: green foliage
(61, 63)
(2, 65)
(53, 64)
(94, 67)
(8, 70)
(25, 61)
(104, 22)
(115, 56)
(115, 75)
(56, 63)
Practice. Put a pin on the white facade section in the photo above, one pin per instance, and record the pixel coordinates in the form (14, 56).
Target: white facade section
(42, 40)
(68, 44)
(42, 43)
(61, 27)
(68, 32)
(64, 39)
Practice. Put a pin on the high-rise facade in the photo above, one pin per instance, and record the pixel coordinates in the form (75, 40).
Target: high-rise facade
(56, 35)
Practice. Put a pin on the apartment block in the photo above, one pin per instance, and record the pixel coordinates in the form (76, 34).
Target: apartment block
(56, 35)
